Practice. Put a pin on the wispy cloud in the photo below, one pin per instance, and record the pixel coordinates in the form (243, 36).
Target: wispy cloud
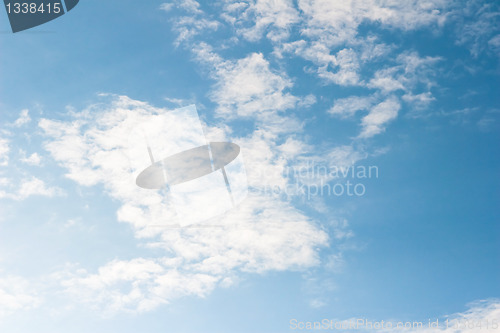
(347, 107)
(16, 294)
(482, 316)
(190, 6)
(477, 25)
(191, 23)
(381, 114)
(4, 152)
(27, 188)
(23, 119)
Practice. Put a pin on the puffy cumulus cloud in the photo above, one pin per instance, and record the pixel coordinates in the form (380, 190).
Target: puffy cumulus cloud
(35, 186)
(247, 87)
(255, 18)
(342, 67)
(243, 88)
(136, 285)
(327, 35)
(16, 294)
(263, 233)
(340, 56)
(33, 159)
(347, 64)
(337, 22)
(331, 41)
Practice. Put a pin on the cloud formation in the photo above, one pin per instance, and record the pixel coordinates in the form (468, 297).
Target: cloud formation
(16, 294)
(262, 234)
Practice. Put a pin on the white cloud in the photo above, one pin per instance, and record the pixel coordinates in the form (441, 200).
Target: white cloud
(191, 6)
(495, 42)
(477, 25)
(192, 23)
(373, 49)
(375, 121)
(254, 18)
(4, 181)
(486, 123)
(247, 87)
(178, 101)
(347, 107)
(188, 27)
(482, 316)
(276, 235)
(35, 186)
(137, 285)
(410, 71)
(16, 294)
(385, 81)
(167, 6)
(345, 62)
(28, 188)
(336, 22)
(4, 152)
(23, 119)
(419, 101)
(33, 159)
(314, 51)
(344, 156)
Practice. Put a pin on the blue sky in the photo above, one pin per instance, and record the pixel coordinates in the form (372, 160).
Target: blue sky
(408, 87)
